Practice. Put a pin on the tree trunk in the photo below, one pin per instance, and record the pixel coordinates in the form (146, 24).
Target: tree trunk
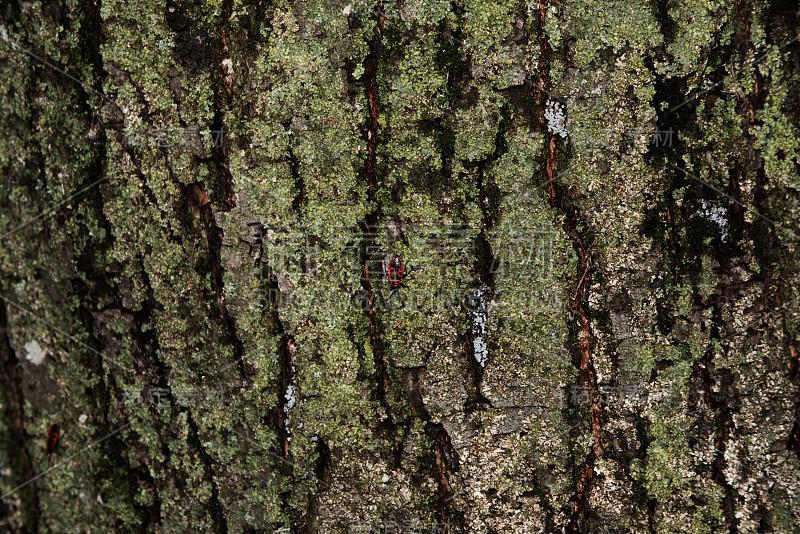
(596, 209)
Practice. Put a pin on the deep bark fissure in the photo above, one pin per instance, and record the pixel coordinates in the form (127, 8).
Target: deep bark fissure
(215, 506)
(14, 442)
(682, 255)
(218, 165)
(102, 288)
(640, 424)
(371, 62)
(722, 420)
(442, 451)
(223, 97)
(270, 297)
(149, 344)
(477, 301)
(716, 402)
(672, 245)
(106, 288)
(158, 369)
(197, 202)
(215, 240)
(286, 392)
(719, 403)
(559, 198)
(761, 196)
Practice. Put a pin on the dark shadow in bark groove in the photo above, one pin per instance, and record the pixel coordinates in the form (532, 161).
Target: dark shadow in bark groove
(583, 340)
(722, 420)
(13, 442)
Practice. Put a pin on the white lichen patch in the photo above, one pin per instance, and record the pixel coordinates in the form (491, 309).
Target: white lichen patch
(291, 400)
(479, 326)
(715, 212)
(35, 353)
(556, 120)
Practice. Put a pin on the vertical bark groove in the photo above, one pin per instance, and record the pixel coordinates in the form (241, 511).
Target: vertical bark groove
(13, 443)
(559, 198)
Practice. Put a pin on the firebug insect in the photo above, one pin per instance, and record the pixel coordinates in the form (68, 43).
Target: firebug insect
(52, 437)
(396, 271)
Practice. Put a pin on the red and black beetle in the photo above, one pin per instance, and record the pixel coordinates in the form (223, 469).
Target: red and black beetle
(52, 437)
(396, 271)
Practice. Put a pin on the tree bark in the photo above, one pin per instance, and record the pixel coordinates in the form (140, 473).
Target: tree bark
(596, 206)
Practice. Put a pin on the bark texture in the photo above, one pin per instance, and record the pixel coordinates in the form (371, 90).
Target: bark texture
(598, 329)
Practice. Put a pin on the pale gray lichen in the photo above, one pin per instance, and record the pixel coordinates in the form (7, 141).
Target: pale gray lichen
(715, 212)
(35, 353)
(479, 321)
(556, 120)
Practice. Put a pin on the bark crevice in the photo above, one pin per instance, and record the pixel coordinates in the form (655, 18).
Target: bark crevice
(560, 199)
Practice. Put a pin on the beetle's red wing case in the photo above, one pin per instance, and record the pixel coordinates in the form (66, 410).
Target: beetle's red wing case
(396, 271)
(52, 437)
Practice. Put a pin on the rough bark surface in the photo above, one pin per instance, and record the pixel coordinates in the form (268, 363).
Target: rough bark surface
(597, 330)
